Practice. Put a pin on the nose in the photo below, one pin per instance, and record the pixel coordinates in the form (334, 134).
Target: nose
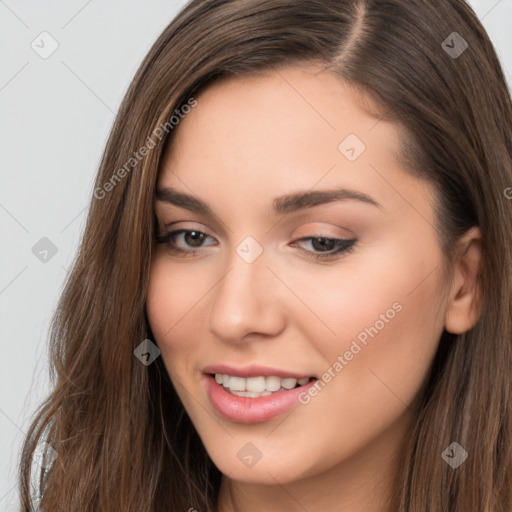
(246, 302)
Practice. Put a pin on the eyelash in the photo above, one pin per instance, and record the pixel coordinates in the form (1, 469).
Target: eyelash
(345, 246)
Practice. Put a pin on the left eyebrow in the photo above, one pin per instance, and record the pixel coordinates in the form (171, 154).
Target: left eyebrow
(281, 205)
(309, 199)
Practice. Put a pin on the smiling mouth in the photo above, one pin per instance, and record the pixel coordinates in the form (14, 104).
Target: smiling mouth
(254, 387)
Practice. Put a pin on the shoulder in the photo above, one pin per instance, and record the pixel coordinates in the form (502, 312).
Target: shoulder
(42, 461)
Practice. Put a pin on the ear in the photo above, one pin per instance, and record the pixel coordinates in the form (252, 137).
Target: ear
(463, 308)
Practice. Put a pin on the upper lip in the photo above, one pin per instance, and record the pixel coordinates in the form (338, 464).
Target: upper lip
(253, 371)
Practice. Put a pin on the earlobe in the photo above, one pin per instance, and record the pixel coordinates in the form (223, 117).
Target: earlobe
(463, 308)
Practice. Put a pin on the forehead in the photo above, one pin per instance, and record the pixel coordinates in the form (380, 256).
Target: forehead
(282, 107)
(284, 129)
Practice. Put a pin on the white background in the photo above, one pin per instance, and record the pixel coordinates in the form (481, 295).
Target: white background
(55, 117)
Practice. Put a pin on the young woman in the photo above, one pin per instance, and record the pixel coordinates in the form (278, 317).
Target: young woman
(294, 287)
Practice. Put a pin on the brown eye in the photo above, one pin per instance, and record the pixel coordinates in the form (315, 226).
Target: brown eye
(323, 244)
(327, 247)
(183, 240)
(194, 238)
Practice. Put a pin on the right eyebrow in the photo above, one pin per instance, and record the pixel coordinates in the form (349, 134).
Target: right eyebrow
(191, 203)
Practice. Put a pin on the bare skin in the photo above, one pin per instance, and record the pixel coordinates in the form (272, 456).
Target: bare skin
(251, 140)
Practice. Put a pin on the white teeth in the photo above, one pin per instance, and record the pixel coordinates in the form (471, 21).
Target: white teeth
(289, 383)
(249, 394)
(272, 383)
(255, 384)
(258, 386)
(237, 383)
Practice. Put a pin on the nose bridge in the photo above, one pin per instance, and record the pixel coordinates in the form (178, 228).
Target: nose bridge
(243, 301)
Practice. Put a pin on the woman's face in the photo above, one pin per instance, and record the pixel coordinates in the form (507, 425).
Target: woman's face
(270, 176)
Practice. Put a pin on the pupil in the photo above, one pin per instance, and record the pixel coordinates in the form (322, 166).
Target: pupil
(195, 237)
(324, 243)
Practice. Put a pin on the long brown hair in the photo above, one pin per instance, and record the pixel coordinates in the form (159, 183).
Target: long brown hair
(122, 438)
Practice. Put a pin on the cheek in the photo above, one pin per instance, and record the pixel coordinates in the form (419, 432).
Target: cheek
(385, 320)
(390, 295)
(387, 332)
(401, 342)
(173, 299)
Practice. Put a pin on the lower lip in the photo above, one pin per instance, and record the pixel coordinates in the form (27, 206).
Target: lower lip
(242, 409)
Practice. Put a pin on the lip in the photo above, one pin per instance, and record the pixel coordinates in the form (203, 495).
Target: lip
(253, 371)
(242, 409)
